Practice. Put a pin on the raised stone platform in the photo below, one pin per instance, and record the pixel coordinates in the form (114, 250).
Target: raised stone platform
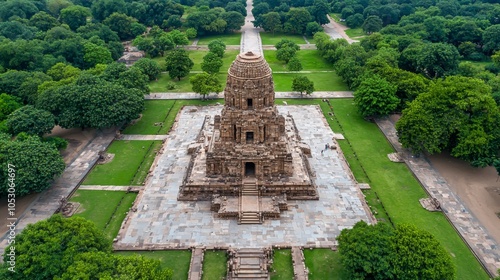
(164, 222)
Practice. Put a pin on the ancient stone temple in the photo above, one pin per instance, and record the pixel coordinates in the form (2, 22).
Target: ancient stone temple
(249, 160)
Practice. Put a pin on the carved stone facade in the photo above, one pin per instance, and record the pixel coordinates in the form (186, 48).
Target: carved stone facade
(248, 160)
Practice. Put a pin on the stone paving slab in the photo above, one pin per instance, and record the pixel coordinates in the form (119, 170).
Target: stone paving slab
(299, 267)
(162, 222)
(196, 265)
(476, 236)
(281, 94)
(48, 201)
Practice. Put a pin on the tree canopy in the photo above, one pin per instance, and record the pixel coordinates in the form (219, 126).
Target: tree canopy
(30, 120)
(178, 64)
(375, 97)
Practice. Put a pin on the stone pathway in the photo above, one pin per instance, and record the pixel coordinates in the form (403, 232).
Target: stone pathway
(196, 265)
(129, 137)
(162, 222)
(110, 188)
(337, 31)
(299, 267)
(282, 94)
(250, 38)
(436, 186)
(48, 201)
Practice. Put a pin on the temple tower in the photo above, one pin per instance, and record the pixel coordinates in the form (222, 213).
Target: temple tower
(252, 141)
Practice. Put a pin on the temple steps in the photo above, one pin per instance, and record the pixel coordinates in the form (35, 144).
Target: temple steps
(250, 218)
(249, 263)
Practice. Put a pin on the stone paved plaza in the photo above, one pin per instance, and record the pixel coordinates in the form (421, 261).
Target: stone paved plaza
(162, 221)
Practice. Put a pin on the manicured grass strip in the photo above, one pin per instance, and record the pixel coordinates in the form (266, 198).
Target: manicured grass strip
(310, 59)
(155, 111)
(177, 260)
(119, 215)
(322, 81)
(273, 39)
(106, 209)
(97, 206)
(142, 172)
(214, 265)
(282, 268)
(228, 39)
(396, 187)
(180, 86)
(121, 170)
(324, 264)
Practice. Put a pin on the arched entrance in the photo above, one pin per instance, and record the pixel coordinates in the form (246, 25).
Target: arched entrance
(249, 169)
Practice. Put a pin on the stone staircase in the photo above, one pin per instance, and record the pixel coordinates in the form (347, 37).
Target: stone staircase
(249, 263)
(249, 203)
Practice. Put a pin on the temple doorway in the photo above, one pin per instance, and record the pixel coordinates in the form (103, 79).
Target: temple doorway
(249, 169)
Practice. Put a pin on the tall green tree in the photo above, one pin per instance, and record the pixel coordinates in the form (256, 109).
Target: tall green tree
(211, 63)
(375, 97)
(271, 22)
(458, 114)
(37, 164)
(302, 84)
(95, 54)
(178, 64)
(491, 39)
(102, 9)
(372, 24)
(8, 104)
(294, 64)
(75, 16)
(30, 120)
(149, 67)
(437, 60)
(45, 250)
(218, 47)
(205, 83)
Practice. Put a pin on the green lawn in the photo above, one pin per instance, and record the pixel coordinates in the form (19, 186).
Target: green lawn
(116, 173)
(355, 32)
(273, 39)
(322, 81)
(177, 260)
(180, 86)
(394, 184)
(155, 111)
(214, 265)
(311, 61)
(324, 264)
(282, 268)
(228, 39)
(106, 209)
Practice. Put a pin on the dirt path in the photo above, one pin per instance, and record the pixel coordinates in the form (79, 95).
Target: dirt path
(478, 188)
(337, 30)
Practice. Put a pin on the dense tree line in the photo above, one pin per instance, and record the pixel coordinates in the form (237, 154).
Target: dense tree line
(295, 17)
(74, 248)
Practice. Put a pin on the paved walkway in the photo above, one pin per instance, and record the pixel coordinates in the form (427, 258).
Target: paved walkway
(48, 201)
(299, 267)
(483, 245)
(196, 265)
(110, 188)
(163, 222)
(281, 94)
(250, 38)
(337, 31)
(139, 137)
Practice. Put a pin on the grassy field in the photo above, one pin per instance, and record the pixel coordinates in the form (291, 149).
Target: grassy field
(106, 209)
(394, 184)
(228, 39)
(180, 86)
(322, 81)
(155, 111)
(214, 265)
(137, 154)
(282, 268)
(311, 61)
(273, 39)
(177, 260)
(324, 264)
(355, 33)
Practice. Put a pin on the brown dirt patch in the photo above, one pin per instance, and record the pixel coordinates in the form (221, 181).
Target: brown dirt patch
(478, 188)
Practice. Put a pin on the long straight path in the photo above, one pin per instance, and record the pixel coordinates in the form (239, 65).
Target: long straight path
(280, 94)
(250, 38)
(471, 230)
